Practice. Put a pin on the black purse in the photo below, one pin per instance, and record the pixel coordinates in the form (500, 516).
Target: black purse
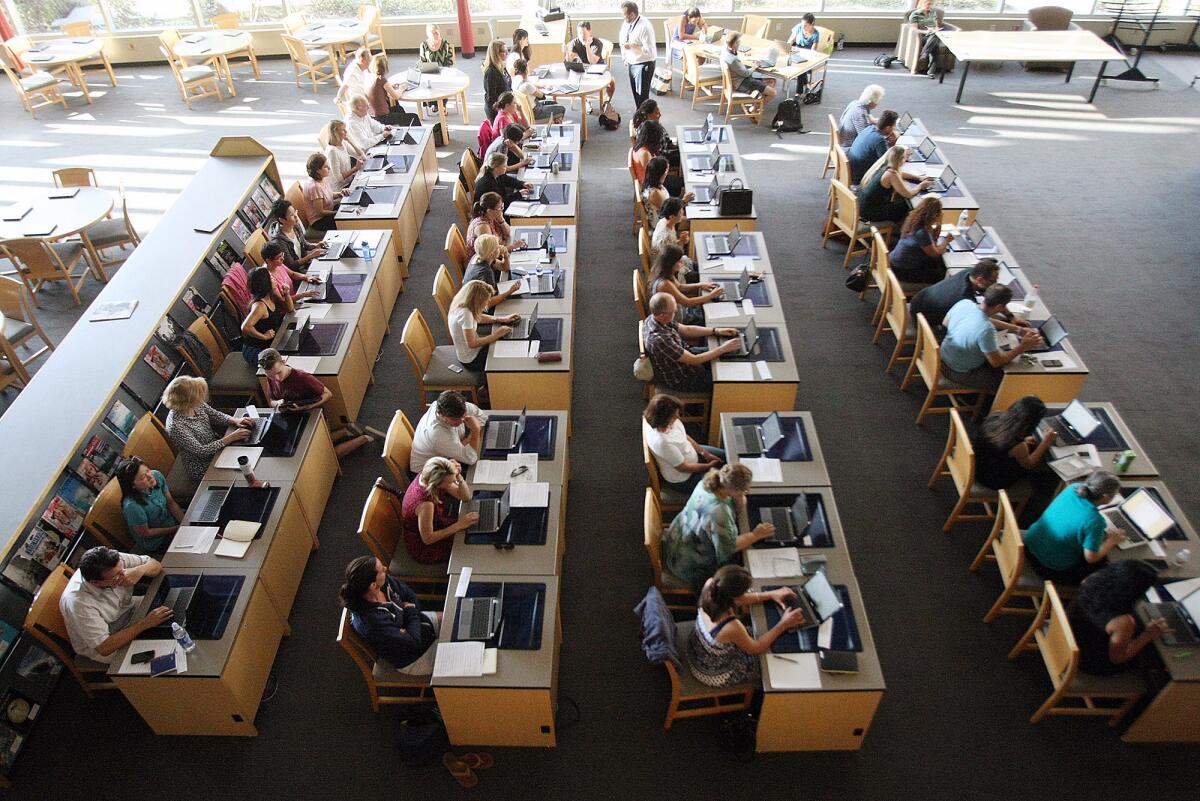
(735, 200)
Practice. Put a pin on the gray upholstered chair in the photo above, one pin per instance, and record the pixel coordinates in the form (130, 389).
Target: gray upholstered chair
(1049, 18)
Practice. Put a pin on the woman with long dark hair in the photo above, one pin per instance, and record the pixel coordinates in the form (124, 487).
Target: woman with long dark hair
(665, 276)
(1006, 445)
(386, 613)
(651, 141)
(917, 257)
(150, 512)
(267, 310)
(1108, 634)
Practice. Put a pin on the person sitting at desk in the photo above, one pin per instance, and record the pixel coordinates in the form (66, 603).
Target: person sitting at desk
(884, 188)
(670, 230)
(466, 313)
(495, 77)
(294, 390)
(720, 650)
(490, 260)
(744, 79)
(384, 98)
(492, 178)
(452, 427)
(682, 462)
(345, 158)
(926, 19)
(665, 277)
(1108, 634)
(285, 230)
(805, 34)
(1007, 448)
(655, 192)
(357, 78)
(1072, 539)
(509, 143)
(587, 49)
(691, 26)
(507, 113)
(267, 310)
(487, 217)
(871, 144)
(705, 535)
(285, 280)
(435, 49)
(98, 603)
(429, 523)
(320, 194)
(364, 131)
(544, 108)
(196, 429)
(917, 257)
(857, 114)
(936, 300)
(675, 366)
(386, 613)
(650, 110)
(651, 142)
(971, 355)
(150, 513)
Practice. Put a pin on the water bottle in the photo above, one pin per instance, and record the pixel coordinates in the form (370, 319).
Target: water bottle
(962, 221)
(1182, 556)
(1031, 299)
(183, 638)
(247, 471)
(364, 248)
(550, 245)
(1123, 460)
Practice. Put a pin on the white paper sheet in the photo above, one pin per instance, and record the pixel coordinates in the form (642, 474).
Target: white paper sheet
(458, 659)
(526, 258)
(730, 264)
(764, 372)
(747, 307)
(736, 371)
(1152, 595)
(193, 539)
(490, 657)
(521, 287)
(490, 471)
(773, 562)
(464, 582)
(1181, 589)
(766, 471)
(228, 457)
(317, 311)
(308, 364)
(511, 348)
(794, 671)
(252, 411)
(527, 460)
(825, 634)
(721, 310)
(534, 494)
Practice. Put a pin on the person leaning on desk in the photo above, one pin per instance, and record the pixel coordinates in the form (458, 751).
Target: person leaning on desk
(681, 460)
(150, 512)
(492, 179)
(884, 188)
(1008, 450)
(675, 366)
(871, 144)
(970, 353)
(429, 524)
(508, 142)
(489, 261)
(294, 390)
(466, 313)
(744, 79)
(705, 534)
(1109, 635)
(721, 652)
(917, 256)
(487, 217)
(364, 130)
(666, 277)
(192, 426)
(267, 310)
(857, 114)
(1072, 539)
(387, 614)
(97, 604)
(285, 229)
(544, 108)
(452, 427)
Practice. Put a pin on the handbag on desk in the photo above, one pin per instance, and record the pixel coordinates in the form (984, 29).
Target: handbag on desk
(735, 200)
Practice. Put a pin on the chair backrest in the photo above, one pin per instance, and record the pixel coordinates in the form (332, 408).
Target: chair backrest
(14, 302)
(841, 165)
(83, 28)
(1050, 18)
(368, 14)
(173, 63)
(652, 526)
(456, 250)
(397, 448)
(18, 46)
(1059, 649)
(46, 618)
(756, 25)
(897, 307)
(652, 474)
(726, 81)
(443, 293)
(34, 258)
(606, 48)
(845, 208)
(960, 461)
(75, 176)
(927, 353)
(525, 105)
(294, 194)
(639, 294)
(691, 64)
(827, 41)
(168, 38)
(228, 22)
(210, 337)
(645, 251)
(363, 654)
(669, 27)
(880, 262)
(418, 343)
(254, 246)
(149, 442)
(105, 521)
(469, 165)
(381, 525)
(294, 22)
(1007, 543)
(462, 202)
(833, 129)
(297, 50)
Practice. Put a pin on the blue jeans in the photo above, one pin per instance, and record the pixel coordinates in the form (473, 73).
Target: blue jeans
(686, 487)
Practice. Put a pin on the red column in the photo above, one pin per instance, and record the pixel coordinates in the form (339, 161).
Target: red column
(465, 36)
(7, 32)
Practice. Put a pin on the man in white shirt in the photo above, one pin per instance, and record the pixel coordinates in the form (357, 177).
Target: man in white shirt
(452, 427)
(358, 78)
(98, 603)
(682, 461)
(363, 129)
(639, 51)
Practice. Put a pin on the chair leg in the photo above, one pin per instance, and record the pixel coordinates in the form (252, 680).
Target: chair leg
(983, 554)
(998, 606)
(880, 327)
(926, 406)
(896, 355)
(1049, 704)
(912, 369)
(1023, 643)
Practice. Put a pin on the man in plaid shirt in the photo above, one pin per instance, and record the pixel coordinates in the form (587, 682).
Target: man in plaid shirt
(675, 366)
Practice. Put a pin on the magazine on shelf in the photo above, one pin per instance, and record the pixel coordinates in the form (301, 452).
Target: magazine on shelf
(24, 573)
(195, 301)
(240, 229)
(10, 744)
(38, 668)
(99, 461)
(251, 215)
(18, 709)
(120, 420)
(268, 186)
(159, 362)
(262, 201)
(168, 330)
(227, 252)
(8, 635)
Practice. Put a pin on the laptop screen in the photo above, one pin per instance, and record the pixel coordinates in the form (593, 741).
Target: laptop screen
(772, 431)
(1145, 513)
(948, 177)
(715, 157)
(926, 147)
(824, 597)
(905, 121)
(1080, 418)
(414, 76)
(520, 427)
(735, 236)
(743, 282)
(751, 335)
(800, 513)
(505, 500)
(975, 234)
(1053, 332)
(533, 319)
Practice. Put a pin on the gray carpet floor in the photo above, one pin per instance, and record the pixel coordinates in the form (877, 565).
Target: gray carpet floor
(1098, 203)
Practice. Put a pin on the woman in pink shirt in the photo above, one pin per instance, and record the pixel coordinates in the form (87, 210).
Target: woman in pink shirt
(507, 113)
(319, 194)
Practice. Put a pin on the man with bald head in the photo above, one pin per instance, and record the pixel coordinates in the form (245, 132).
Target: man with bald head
(675, 365)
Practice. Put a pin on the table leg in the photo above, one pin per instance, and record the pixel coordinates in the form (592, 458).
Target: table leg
(228, 75)
(462, 107)
(1099, 77)
(1070, 70)
(962, 81)
(77, 74)
(442, 118)
(583, 121)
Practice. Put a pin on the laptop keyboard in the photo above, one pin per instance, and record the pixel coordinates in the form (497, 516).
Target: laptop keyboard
(489, 514)
(503, 437)
(212, 506)
(1116, 518)
(1181, 630)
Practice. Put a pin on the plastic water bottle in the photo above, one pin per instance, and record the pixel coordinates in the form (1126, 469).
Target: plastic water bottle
(1031, 299)
(1182, 556)
(364, 248)
(550, 245)
(183, 638)
(962, 221)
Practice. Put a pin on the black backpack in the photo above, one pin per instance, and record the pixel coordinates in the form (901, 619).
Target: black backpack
(787, 117)
(421, 737)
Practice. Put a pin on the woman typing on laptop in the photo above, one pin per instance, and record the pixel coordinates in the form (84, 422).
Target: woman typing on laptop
(1007, 448)
(1072, 539)
(1107, 631)
(196, 429)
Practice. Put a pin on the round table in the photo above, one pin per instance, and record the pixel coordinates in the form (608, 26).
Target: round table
(214, 46)
(69, 53)
(588, 85)
(69, 216)
(449, 82)
(333, 35)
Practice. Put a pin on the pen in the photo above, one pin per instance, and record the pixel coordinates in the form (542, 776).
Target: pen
(786, 658)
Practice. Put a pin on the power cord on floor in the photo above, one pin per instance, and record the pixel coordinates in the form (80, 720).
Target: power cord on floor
(271, 687)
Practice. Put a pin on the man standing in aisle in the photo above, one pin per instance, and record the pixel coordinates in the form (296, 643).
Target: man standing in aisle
(639, 51)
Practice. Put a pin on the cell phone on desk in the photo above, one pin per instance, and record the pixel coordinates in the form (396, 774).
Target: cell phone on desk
(141, 658)
(1051, 363)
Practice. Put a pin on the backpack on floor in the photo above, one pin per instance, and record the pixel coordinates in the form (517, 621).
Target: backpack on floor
(421, 738)
(610, 118)
(787, 117)
(885, 61)
(660, 84)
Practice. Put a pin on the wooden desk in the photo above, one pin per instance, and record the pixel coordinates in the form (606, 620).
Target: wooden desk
(555, 81)
(1142, 467)
(521, 560)
(332, 34)
(61, 217)
(515, 706)
(556, 470)
(518, 383)
(708, 219)
(390, 271)
(732, 169)
(709, 265)
(546, 48)
(569, 170)
(566, 135)
(719, 134)
(399, 215)
(759, 50)
(567, 257)
(420, 176)
(69, 52)
(954, 205)
(1171, 547)
(811, 473)
(566, 213)
(737, 386)
(1050, 384)
(771, 314)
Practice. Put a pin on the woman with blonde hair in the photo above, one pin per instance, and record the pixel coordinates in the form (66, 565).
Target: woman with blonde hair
(345, 158)
(429, 525)
(706, 535)
(435, 49)
(490, 260)
(467, 311)
(197, 430)
(492, 178)
(495, 77)
(917, 257)
(884, 188)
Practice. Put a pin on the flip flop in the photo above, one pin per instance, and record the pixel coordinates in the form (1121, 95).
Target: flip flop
(461, 772)
(478, 761)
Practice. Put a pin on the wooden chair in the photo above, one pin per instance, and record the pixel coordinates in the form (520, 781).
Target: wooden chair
(641, 220)
(443, 294)
(687, 690)
(149, 442)
(462, 202)
(12, 369)
(639, 294)
(469, 165)
(1051, 634)
(830, 158)
(114, 233)
(13, 51)
(646, 254)
(195, 82)
(667, 499)
(378, 674)
(927, 361)
(704, 79)
(843, 219)
(841, 171)
(20, 324)
(397, 448)
(45, 624)
(429, 360)
(36, 90)
(1006, 548)
(958, 462)
(525, 105)
(898, 321)
(294, 22)
(750, 107)
(672, 588)
(755, 25)
(253, 250)
(457, 252)
(881, 268)
(233, 22)
(74, 176)
(381, 528)
(316, 65)
(106, 522)
(38, 261)
(368, 14)
(231, 377)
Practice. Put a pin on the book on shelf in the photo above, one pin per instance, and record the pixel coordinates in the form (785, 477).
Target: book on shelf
(24, 573)
(159, 362)
(195, 301)
(251, 215)
(98, 462)
(120, 420)
(240, 229)
(227, 252)
(38, 668)
(8, 635)
(261, 200)
(111, 310)
(168, 330)
(268, 186)
(18, 709)
(70, 503)
(10, 744)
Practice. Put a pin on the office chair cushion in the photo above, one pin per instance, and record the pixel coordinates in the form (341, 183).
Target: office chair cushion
(403, 565)
(38, 80)
(16, 330)
(383, 671)
(108, 232)
(439, 374)
(1019, 490)
(318, 56)
(67, 251)
(233, 376)
(182, 486)
(196, 72)
(1130, 682)
(86, 665)
(688, 683)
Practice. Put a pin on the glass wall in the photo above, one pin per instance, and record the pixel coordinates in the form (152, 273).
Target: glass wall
(45, 16)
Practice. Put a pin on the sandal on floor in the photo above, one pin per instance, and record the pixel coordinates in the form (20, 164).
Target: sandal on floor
(461, 772)
(478, 761)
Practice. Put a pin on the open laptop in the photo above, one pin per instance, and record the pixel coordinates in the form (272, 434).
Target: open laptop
(320, 286)
(973, 239)
(539, 239)
(262, 424)
(358, 197)
(178, 599)
(541, 283)
(710, 162)
(904, 123)
(747, 339)
(924, 149)
(295, 330)
(1074, 425)
(698, 136)
(209, 505)
(711, 193)
(503, 435)
(479, 618)
(1141, 515)
(412, 78)
(546, 160)
(944, 181)
(176, 593)
(790, 522)
(724, 244)
(539, 194)
(573, 82)
(735, 290)
(817, 598)
(523, 328)
(428, 67)
(492, 513)
(1180, 615)
(333, 252)
(574, 66)
(759, 438)
(1052, 332)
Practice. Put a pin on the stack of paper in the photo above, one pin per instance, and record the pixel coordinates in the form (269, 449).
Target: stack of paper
(766, 471)
(458, 659)
(721, 310)
(489, 471)
(308, 364)
(521, 287)
(773, 562)
(737, 371)
(530, 495)
(747, 307)
(516, 348)
(764, 372)
(794, 671)
(193, 539)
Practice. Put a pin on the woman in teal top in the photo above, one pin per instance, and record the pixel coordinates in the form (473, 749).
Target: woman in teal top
(704, 536)
(1072, 539)
(805, 34)
(151, 513)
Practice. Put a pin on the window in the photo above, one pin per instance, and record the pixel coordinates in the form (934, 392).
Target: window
(1019, 7)
(133, 15)
(978, 6)
(437, 8)
(328, 9)
(250, 12)
(45, 16)
(868, 5)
